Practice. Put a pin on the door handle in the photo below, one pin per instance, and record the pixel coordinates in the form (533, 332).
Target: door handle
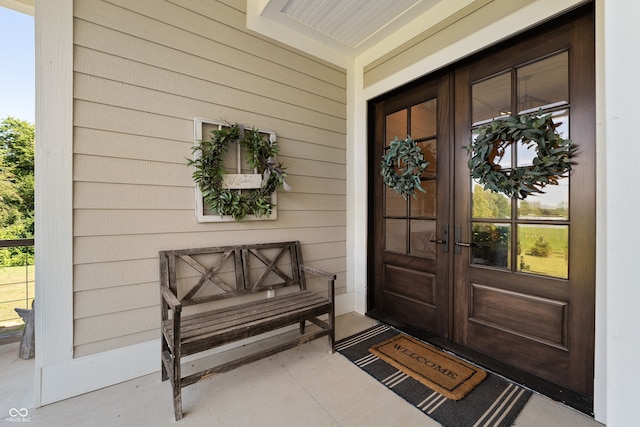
(444, 240)
(458, 243)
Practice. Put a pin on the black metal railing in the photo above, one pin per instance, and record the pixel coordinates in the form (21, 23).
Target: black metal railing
(17, 282)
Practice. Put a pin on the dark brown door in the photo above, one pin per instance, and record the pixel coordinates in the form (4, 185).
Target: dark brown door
(516, 280)
(525, 286)
(411, 248)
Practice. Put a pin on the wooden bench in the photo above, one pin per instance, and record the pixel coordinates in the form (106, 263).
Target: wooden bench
(215, 296)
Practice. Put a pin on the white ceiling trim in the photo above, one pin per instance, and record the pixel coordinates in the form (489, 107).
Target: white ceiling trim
(22, 6)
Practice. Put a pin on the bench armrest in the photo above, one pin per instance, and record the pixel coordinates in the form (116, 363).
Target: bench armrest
(170, 299)
(315, 271)
(331, 281)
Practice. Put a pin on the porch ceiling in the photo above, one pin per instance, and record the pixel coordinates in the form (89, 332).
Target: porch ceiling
(341, 30)
(350, 22)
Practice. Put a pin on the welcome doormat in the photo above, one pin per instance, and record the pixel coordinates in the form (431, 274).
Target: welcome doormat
(442, 372)
(494, 402)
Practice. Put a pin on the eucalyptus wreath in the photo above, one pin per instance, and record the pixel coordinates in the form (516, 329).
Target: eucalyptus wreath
(552, 160)
(209, 171)
(402, 165)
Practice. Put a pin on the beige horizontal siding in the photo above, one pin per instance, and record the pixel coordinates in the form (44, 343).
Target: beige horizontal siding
(205, 38)
(104, 195)
(94, 346)
(135, 73)
(143, 71)
(95, 115)
(136, 98)
(123, 273)
(114, 274)
(107, 143)
(326, 151)
(114, 299)
(113, 325)
(127, 171)
(456, 27)
(315, 202)
(98, 249)
(134, 222)
(98, 195)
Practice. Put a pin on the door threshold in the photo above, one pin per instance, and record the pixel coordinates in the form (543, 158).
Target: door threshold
(553, 391)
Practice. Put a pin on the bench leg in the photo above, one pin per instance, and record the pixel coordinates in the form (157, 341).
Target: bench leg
(177, 402)
(165, 374)
(176, 384)
(302, 327)
(164, 349)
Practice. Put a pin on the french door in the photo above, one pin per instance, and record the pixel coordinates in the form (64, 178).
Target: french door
(411, 235)
(511, 279)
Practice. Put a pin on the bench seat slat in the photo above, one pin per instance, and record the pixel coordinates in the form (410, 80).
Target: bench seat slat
(250, 329)
(244, 314)
(226, 311)
(253, 320)
(210, 322)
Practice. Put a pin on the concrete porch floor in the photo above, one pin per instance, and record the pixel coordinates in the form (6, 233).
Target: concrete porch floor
(304, 386)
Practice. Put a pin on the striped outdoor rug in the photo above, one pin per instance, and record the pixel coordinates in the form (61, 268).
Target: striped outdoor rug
(494, 402)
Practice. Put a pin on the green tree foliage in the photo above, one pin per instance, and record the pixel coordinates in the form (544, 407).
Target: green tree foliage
(541, 248)
(535, 209)
(490, 205)
(17, 140)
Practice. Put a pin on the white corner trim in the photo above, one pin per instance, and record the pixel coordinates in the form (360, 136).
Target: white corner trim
(54, 188)
(90, 373)
(344, 304)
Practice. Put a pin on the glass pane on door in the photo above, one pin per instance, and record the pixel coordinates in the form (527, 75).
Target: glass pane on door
(396, 126)
(423, 236)
(396, 235)
(491, 98)
(491, 245)
(424, 204)
(552, 205)
(429, 152)
(489, 205)
(395, 204)
(544, 249)
(423, 120)
(544, 84)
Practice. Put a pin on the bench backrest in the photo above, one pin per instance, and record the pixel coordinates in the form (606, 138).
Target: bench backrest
(209, 274)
